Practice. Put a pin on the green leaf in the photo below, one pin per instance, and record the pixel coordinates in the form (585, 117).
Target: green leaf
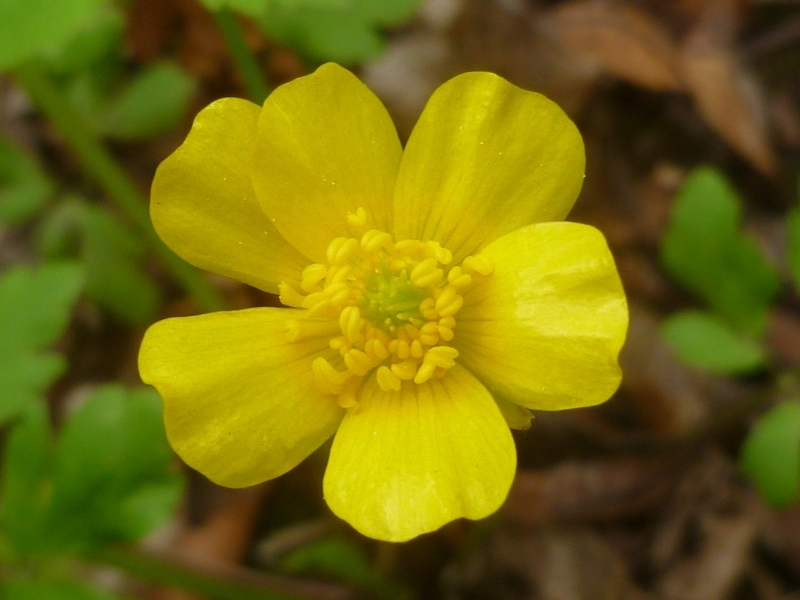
(24, 188)
(705, 341)
(793, 246)
(346, 34)
(155, 102)
(770, 456)
(25, 484)
(29, 28)
(96, 43)
(36, 305)
(49, 589)
(112, 478)
(705, 251)
(112, 255)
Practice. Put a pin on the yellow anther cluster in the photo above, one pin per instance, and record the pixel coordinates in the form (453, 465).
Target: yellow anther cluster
(396, 304)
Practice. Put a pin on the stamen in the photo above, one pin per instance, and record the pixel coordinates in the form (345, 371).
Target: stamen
(478, 264)
(312, 276)
(358, 218)
(290, 296)
(387, 380)
(395, 305)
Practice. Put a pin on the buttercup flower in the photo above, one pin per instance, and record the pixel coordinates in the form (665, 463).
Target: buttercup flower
(435, 296)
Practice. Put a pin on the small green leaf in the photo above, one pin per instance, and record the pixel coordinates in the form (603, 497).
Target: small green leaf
(112, 255)
(49, 589)
(346, 34)
(705, 250)
(705, 341)
(24, 188)
(770, 455)
(29, 28)
(36, 305)
(155, 102)
(25, 483)
(112, 478)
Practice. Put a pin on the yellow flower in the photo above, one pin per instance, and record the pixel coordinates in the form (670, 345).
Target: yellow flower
(436, 297)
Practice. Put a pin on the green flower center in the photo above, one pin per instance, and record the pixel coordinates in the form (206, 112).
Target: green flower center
(390, 301)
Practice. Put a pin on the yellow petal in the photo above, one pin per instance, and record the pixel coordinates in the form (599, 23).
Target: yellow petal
(408, 462)
(545, 329)
(326, 147)
(204, 208)
(484, 159)
(516, 416)
(239, 402)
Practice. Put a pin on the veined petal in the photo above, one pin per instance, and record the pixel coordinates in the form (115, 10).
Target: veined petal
(326, 147)
(486, 158)
(204, 208)
(408, 462)
(546, 327)
(239, 402)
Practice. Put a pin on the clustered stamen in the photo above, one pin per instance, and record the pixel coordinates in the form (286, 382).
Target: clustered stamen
(396, 303)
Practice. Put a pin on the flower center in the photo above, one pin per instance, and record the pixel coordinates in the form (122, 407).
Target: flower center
(396, 303)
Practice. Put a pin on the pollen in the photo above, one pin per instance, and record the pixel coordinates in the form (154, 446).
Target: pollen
(396, 304)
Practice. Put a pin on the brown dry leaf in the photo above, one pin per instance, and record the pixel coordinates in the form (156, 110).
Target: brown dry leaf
(727, 96)
(623, 40)
(591, 490)
(550, 564)
(223, 538)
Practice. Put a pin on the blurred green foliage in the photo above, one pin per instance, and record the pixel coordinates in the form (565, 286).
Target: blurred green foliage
(105, 478)
(770, 455)
(24, 188)
(32, 28)
(705, 250)
(706, 341)
(36, 304)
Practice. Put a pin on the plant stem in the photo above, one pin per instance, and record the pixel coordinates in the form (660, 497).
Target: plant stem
(111, 177)
(223, 582)
(246, 63)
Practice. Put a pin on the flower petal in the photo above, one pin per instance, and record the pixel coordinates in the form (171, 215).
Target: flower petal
(545, 328)
(485, 158)
(239, 403)
(326, 147)
(204, 208)
(408, 462)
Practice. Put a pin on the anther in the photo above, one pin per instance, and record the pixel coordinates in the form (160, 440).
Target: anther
(405, 369)
(425, 372)
(426, 274)
(312, 276)
(290, 296)
(358, 218)
(387, 380)
(350, 323)
(374, 240)
(340, 249)
(357, 362)
(478, 264)
(442, 356)
(327, 379)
